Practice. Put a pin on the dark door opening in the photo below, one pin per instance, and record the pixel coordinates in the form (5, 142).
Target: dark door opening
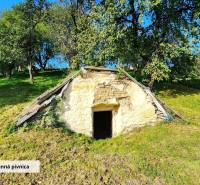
(102, 124)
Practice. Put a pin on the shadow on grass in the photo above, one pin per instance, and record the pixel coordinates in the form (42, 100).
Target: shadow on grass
(19, 90)
(192, 83)
(18, 93)
(178, 89)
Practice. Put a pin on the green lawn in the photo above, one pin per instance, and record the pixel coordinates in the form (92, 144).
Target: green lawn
(184, 100)
(163, 154)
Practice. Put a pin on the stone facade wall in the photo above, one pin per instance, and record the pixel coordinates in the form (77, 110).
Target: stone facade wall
(98, 91)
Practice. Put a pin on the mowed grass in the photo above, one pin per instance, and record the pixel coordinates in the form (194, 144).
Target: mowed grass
(184, 100)
(163, 154)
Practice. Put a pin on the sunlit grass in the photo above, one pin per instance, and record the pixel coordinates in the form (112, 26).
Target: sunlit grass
(184, 100)
(163, 154)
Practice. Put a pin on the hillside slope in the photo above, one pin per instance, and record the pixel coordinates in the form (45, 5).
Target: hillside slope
(163, 154)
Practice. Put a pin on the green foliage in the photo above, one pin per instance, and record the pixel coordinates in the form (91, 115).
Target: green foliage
(50, 118)
(34, 44)
(139, 34)
(69, 19)
(11, 54)
(11, 128)
(119, 74)
(24, 36)
(44, 48)
(157, 70)
(116, 32)
(46, 118)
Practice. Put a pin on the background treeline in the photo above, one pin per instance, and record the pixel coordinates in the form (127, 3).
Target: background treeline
(156, 39)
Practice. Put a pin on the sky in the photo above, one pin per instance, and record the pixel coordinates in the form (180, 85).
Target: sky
(7, 4)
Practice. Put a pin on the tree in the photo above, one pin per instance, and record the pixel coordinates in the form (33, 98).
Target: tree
(45, 48)
(11, 55)
(157, 38)
(25, 37)
(68, 18)
(147, 34)
(33, 13)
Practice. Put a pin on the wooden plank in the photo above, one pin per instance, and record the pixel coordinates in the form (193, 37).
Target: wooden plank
(27, 116)
(131, 78)
(157, 103)
(34, 111)
(148, 92)
(44, 100)
(99, 68)
(156, 100)
(54, 90)
(63, 90)
(175, 113)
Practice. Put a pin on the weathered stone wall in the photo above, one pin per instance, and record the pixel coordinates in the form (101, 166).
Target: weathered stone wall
(98, 91)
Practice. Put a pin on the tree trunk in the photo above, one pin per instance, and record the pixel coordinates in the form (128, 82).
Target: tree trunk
(35, 69)
(30, 72)
(135, 17)
(42, 64)
(45, 64)
(19, 69)
(10, 68)
(9, 73)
